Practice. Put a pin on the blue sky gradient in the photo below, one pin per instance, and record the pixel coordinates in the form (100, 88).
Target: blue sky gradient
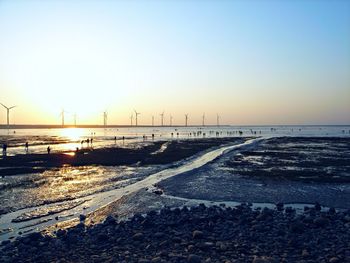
(253, 62)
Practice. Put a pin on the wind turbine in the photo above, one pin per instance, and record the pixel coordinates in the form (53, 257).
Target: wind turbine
(217, 120)
(105, 114)
(75, 119)
(162, 118)
(8, 114)
(62, 116)
(152, 120)
(203, 119)
(186, 119)
(136, 114)
(171, 120)
(131, 118)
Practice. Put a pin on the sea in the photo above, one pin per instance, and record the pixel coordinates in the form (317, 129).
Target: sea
(69, 139)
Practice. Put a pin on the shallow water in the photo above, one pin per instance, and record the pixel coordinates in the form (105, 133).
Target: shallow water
(44, 215)
(69, 139)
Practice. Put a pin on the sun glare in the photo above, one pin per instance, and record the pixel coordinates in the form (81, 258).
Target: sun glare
(73, 134)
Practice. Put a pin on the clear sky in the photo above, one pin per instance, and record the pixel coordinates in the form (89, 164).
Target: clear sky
(253, 62)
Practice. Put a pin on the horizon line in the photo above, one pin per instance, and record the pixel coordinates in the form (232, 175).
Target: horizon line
(50, 126)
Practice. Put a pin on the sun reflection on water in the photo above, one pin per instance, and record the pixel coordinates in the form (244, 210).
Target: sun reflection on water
(73, 134)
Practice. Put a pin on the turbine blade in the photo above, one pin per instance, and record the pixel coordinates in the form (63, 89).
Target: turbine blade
(3, 105)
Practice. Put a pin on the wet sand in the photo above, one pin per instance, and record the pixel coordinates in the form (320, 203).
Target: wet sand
(146, 153)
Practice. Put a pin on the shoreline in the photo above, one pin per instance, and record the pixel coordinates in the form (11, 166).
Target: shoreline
(197, 234)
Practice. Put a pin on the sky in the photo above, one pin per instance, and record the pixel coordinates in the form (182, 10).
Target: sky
(251, 62)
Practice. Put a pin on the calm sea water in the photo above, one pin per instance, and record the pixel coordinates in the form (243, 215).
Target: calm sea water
(68, 139)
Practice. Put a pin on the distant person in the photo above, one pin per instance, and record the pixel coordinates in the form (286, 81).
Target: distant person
(26, 147)
(48, 149)
(91, 141)
(4, 149)
(115, 139)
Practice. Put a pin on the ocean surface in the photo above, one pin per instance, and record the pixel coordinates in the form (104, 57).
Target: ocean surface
(31, 202)
(68, 139)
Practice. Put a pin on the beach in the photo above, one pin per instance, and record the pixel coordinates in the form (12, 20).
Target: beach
(256, 186)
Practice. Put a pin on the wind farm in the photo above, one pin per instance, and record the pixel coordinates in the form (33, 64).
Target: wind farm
(134, 116)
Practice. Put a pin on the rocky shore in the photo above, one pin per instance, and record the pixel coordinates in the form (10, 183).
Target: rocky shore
(197, 234)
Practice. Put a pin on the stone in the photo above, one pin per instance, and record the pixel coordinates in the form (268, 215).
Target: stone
(331, 211)
(5, 242)
(305, 253)
(321, 221)
(334, 260)
(137, 236)
(196, 234)
(296, 227)
(194, 259)
(262, 259)
(110, 220)
(35, 236)
(158, 234)
(279, 206)
(317, 206)
(82, 217)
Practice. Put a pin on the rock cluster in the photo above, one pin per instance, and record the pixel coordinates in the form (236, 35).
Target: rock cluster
(198, 234)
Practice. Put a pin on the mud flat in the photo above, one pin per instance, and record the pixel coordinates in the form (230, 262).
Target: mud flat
(285, 169)
(145, 153)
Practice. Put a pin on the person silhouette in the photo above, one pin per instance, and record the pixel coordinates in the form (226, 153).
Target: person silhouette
(48, 150)
(4, 149)
(26, 147)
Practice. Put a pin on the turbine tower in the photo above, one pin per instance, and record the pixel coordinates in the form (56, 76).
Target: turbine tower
(75, 119)
(152, 120)
(62, 116)
(105, 114)
(217, 120)
(136, 114)
(162, 118)
(131, 118)
(203, 119)
(171, 120)
(186, 119)
(8, 114)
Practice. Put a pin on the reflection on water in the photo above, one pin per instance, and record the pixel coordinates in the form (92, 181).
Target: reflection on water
(68, 139)
(66, 183)
(73, 134)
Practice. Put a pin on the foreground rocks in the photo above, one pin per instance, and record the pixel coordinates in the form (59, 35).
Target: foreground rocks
(199, 234)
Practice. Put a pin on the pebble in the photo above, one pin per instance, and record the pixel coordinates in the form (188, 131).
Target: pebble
(194, 259)
(197, 234)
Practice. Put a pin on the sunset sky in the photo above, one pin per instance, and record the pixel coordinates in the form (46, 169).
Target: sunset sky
(253, 62)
